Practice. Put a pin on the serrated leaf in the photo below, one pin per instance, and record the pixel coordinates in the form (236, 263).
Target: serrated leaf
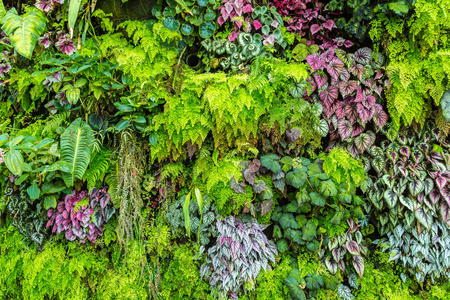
(295, 178)
(270, 161)
(317, 199)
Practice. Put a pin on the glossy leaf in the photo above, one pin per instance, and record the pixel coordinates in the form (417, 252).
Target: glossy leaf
(358, 263)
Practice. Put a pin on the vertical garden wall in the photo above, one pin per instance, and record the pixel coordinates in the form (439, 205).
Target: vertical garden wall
(233, 149)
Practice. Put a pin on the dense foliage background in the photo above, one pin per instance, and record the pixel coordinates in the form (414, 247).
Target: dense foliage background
(175, 149)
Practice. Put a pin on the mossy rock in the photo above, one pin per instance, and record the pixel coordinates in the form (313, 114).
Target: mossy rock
(130, 10)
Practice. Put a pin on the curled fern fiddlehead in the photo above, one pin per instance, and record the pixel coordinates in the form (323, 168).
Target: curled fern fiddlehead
(231, 48)
(225, 63)
(219, 47)
(235, 59)
(244, 39)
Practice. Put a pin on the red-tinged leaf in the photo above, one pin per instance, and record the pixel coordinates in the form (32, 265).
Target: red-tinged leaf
(358, 263)
(441, 182)
(363, 141)
(347, 87)
(328, 110)
(417, 156)
(341, 265)
(336, 252)
(352, 247)
(405, 151)
(424, 217)
(334, 82)
(369, 101)
(329, 24)
(378, 89)
(331, 265)
(254, 165)
(369, 83)
(393, 156)
(328, 55)
(353, 150)
(363, 55)
(315, 62)
(345, 75)
(357, 130)
(445, 212)
(340, 110)
(378, 75)
(249, 176)
(345, 129)
(315, 28)
(357, 70)
(380, 117)
(352, 225)
(446, 195)
(420, 198)
(329, 94)
(335, 67)
(351, 111)
(359, 95)
(320, 79)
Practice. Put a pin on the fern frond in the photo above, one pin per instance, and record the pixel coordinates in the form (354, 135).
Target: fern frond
(98, 167)
(54, 122)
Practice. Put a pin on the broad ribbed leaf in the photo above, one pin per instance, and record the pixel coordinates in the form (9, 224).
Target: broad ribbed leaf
(363, 141)
(434, 196)
(407, 202)
(76, 149)
(320, 79)
(393, 156)
(25, 30)
(322, 127)
(445, 212)
(328, 95)
(358, 263)
(391, 198)
(415, 187)
(14, 162)
(270, 161)
(380, 117)
(352, 247)
(378, 163)
(331, 265)
(347, 87)
(424, 217)
(405, 151)
(363, 55)
(335, 67)
(345, 129)
(295, 178)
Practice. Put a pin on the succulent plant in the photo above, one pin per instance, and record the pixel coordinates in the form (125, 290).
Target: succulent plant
(207, 231)
(411, 186)
(82, 215)
(241, 251)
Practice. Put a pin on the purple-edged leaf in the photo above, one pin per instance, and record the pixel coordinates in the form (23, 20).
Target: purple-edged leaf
(352, 225)
(425, 218)
(424, 148)
(363, 141)
(341, 265)
(358, 263)
(434, 196)
(351, 111)
(357, 130)
(405, 151)
(446, 195)
(357, 70)
(315, 62)
(335, 67)
(378, 89)
(331, 265)
(393, 156)
(320, 79)
(417, 156)
(378, 75)
(315, 28)
(353, 150)
(436, 133)
(345, 75)
(365, 114)
(441, 182)
(359, 95)
(336, 252)
(328, 95)
(445, 212)
(369, 101)
(363, 55)
(380, 117)
(391, 198)
(329, 24)
(352, 247)
(347, 87)
(402, 139)
(345, 129)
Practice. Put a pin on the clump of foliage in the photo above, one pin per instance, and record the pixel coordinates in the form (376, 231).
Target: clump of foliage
(28, 215)
(422, 254)
(415, 47)
(206, 221)
(411, 186)
(82, 215)
(349, 85)
(242, 250)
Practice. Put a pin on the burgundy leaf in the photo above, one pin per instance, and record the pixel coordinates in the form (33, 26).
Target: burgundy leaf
(345, 75)
(328, 55)
(363, 55)
(379, 116)
(347, 87)
(357, 130)
(369, 101)
(358, 263)
(345, 129)
(351, 110)
(320, 79)
(335, 67)
(329, 95)
(315, 62)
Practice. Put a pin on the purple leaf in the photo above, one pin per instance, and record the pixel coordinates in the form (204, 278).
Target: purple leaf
(352, 247)
(345, 129)
(315, 62)
(357, 70)
(329, 24)
(335, 67)
(347, 88)
(357, 130)
(329, 95)
(405, 151)
(320, 79)
(358, 263)
(363, 55)
(369, 101)
(315, 28)
(379, 116)
(345, 75)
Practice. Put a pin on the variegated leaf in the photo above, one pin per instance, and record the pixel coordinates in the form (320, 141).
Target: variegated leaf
(415, 187)
(331, 265)
(407, 202)
(391, 198)
(424, 217)
(352, 247)
(358, 263)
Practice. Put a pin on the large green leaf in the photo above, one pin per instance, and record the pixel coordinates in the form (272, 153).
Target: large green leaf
(2, 10)
(14, 162)
(25, 30)
(445, 106)
(74, 8)
(270, 161)
(76, 149)
(294, 289)
(295, 178)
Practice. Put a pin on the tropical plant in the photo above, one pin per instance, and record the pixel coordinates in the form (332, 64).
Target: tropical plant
(423, 254)
(81, 215)
(411, 186)
(201, 224)
(241, 251)
(349, 86)
(24, 31)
